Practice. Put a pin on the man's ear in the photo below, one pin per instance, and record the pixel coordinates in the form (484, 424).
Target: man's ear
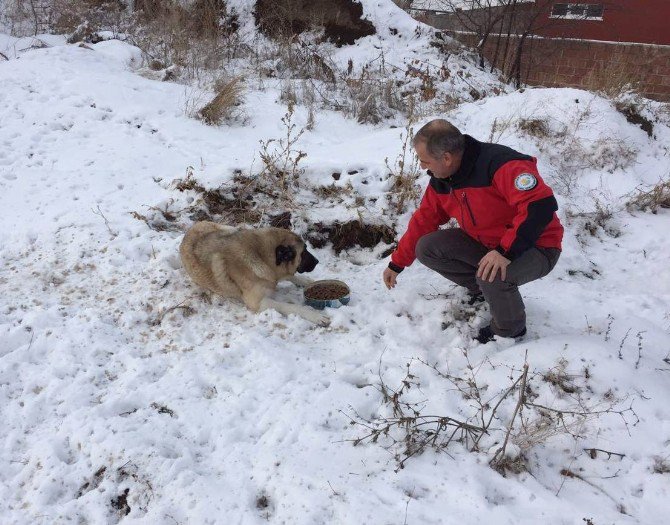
(284, 254)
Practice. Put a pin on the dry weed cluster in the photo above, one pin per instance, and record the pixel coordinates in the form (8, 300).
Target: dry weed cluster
(202, 41)
(504, 425)
(651, 199)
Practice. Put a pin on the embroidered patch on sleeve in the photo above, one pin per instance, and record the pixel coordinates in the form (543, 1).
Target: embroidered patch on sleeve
(525, 182)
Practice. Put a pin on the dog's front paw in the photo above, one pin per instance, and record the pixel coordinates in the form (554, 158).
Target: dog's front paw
(319, 319)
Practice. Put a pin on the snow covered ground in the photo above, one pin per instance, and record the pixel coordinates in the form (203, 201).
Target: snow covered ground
(115, 396)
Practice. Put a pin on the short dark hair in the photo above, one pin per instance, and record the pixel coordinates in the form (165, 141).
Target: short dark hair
(440, 137)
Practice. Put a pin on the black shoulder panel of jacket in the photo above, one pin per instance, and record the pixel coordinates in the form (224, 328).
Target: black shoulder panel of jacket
(480, 162)
(540, 214)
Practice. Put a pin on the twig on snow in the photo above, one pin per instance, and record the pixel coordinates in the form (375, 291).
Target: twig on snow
(593, 452)
(99, 212)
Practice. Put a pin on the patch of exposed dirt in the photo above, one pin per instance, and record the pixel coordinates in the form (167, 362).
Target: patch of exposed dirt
(633, 116)
(120, 503)
(341, 20)
(229, 204)
(344, 236)
(281, 220)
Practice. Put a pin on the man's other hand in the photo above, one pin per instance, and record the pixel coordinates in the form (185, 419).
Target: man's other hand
(490, 264)
(389, 278)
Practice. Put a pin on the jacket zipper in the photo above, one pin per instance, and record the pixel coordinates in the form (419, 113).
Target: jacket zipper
(467, 205)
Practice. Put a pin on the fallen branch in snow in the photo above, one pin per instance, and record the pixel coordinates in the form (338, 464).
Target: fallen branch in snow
(159, 318)
(573, 475)
(419, 433)
(593, 452)
(405, 431)
(499, 455)
(416, 432)
(622, 343)
(589, 412)
(4, 56)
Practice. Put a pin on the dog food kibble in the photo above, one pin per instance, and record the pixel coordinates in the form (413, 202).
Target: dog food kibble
(326, 292)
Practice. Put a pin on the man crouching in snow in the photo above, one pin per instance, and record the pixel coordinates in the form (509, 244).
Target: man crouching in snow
(508, 232)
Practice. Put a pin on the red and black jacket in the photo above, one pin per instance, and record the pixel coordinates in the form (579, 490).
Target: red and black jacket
(498, 198)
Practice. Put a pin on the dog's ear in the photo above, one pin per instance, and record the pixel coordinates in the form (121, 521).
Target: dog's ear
(284, 254)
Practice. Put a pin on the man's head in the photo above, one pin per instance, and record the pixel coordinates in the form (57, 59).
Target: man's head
(439, 146)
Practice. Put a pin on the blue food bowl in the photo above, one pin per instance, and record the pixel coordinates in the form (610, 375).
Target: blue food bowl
(320, 304)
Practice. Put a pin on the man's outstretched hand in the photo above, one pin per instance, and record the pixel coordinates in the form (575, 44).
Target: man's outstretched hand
(490, 264)
(389, 277)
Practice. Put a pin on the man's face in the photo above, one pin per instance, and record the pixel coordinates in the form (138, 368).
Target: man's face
(441, 167)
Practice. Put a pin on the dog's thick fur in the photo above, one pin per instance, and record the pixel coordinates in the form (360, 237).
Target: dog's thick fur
(247, 264)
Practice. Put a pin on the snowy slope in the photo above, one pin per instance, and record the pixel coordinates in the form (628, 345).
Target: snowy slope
(210, 414)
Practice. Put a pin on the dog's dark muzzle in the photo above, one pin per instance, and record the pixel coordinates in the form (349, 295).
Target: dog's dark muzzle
(307, 262)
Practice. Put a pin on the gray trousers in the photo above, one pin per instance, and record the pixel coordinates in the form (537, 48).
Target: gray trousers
(454, 254)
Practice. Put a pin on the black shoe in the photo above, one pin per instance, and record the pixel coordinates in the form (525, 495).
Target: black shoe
(486, 335)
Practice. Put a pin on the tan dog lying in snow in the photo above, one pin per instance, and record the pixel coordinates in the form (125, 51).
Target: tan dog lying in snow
(247, 264)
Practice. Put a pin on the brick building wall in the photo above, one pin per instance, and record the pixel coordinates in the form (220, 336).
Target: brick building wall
(556, 62)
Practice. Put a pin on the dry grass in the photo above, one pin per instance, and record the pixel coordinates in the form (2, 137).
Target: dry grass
(225, 106)
(535, 127)
(333, 192)
(405, 172)
(611, 80)
(651, 199)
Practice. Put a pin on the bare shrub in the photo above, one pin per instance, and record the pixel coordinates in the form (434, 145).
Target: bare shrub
(405, 429)
(446, 102)
(405, 172)
(560, 379)
(198, 36)
(288, 93)
(281, 170)
(536, 127)
(569, 148)
(611, 80)
(371, 96)
(300, 59)
(499, 127)
(651, 199)
(225, 106)
(370, 100)
(607, 154)
(27, 17)
(428, 77)
(591, 223)
(201, 18)
(32, 17)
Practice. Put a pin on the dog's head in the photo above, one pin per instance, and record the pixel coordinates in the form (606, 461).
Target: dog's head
(293, 253)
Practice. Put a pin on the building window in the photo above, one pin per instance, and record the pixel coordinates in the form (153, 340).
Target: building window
(578, 11)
